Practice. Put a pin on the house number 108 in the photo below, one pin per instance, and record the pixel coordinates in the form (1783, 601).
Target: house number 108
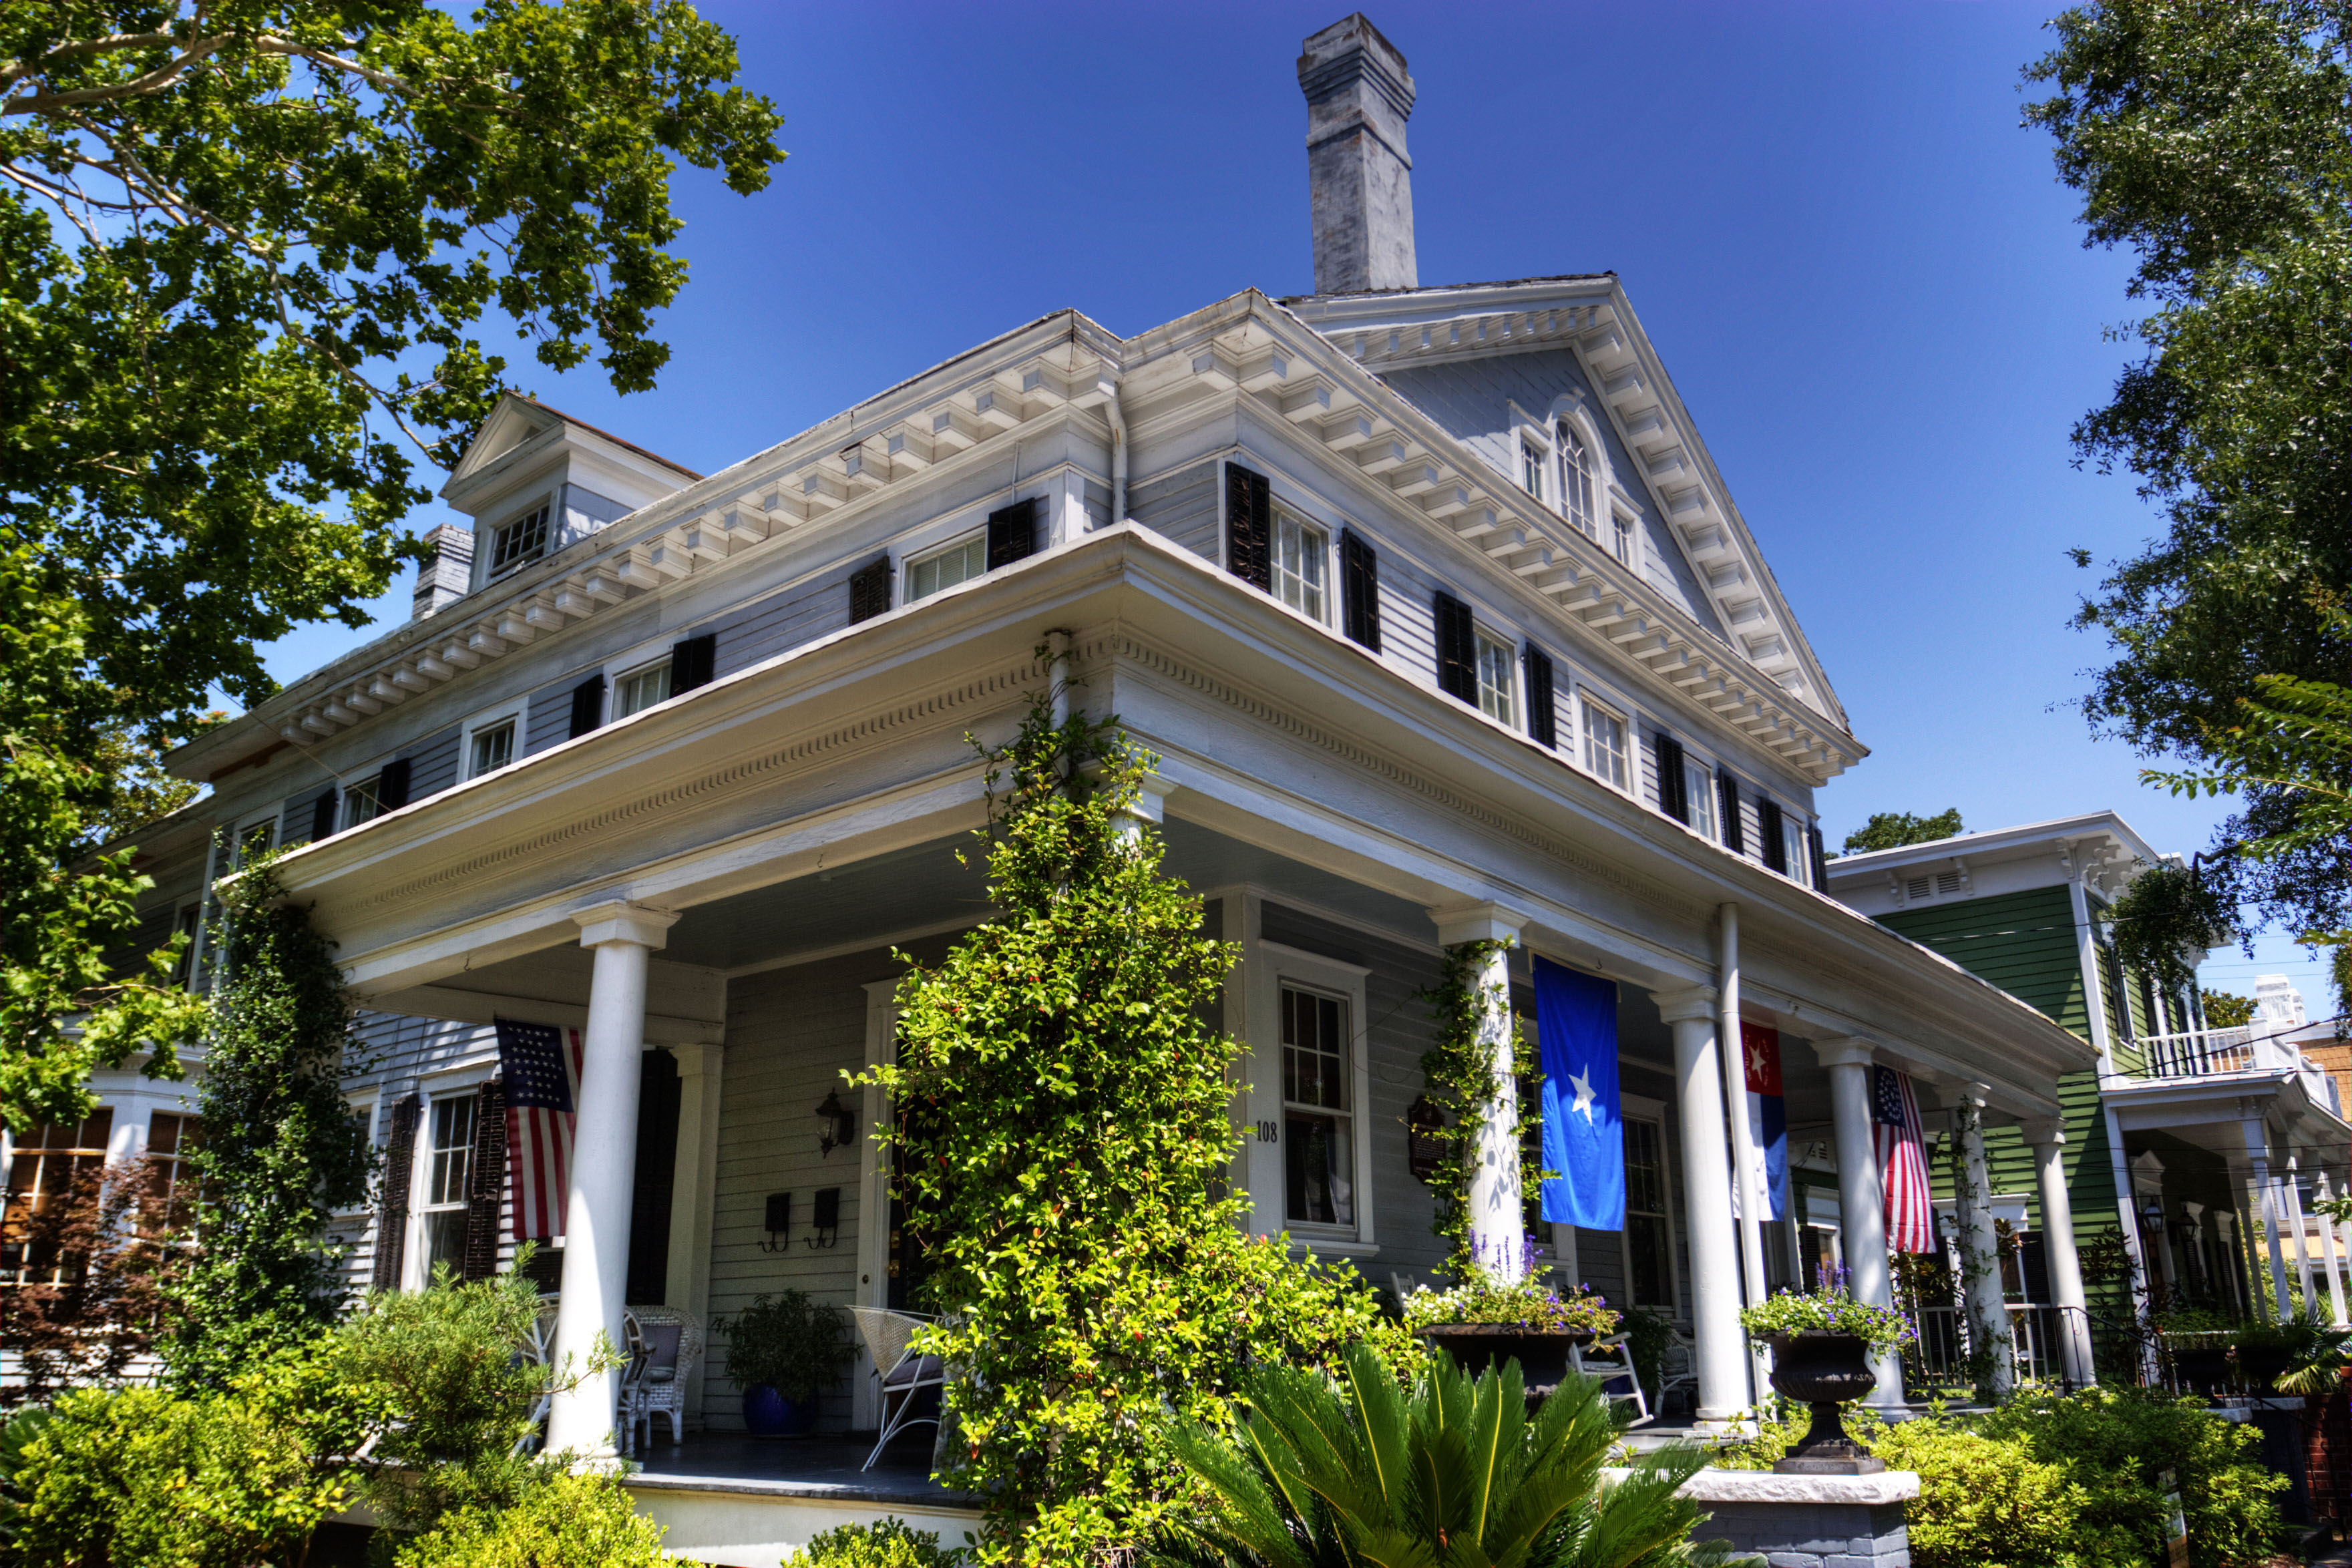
(1269, 1133)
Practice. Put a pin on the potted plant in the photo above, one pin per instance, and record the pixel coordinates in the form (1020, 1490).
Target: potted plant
(1484, 1322)
(1822, 1342)
(784, 1352)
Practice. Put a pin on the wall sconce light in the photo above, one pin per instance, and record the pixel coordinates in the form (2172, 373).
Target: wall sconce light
(836, 1126)
(1424, 1123)
(779, 1223)
(825, 1223)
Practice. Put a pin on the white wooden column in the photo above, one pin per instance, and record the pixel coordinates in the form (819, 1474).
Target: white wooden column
(1497, 1212)
(2328, 1228)
(2267, 1211)
(2291, 1190)
(1723, 1362)
(2046, 1136)
(623, 937)
(1862, 1194)
(1981, 1247)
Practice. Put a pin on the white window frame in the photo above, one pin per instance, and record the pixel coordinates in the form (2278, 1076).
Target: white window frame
(1267, 967)
(221, 857)
(1699, 795)
(1306, 529)
(642, 667)
(547, 502)
(417, 1264)
(505, 712)
(347, 789)
(1587, 705)
(1797, 847)
(1626, 538)
(913, 559)
(1575, 428)
(1502, 692)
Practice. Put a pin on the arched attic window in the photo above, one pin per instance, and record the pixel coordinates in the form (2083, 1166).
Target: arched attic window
(1576, 476)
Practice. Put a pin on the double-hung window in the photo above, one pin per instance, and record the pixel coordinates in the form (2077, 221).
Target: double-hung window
(944, 568)
(1624, 541)
(1576, 479)
(1649, 1233)
(41, 1177)
(1604, 746)
(641, 688)
(171, 1139)
(364, 802)
(1698, 797)
(1496, 683)
(517, 544)
(492, 748)
(1299, 574)
(1796, 850)
(1531, 469)
(1320, 1134)
(448, 1160)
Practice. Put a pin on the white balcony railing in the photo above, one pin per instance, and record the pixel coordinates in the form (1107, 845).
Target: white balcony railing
(2220, 1053)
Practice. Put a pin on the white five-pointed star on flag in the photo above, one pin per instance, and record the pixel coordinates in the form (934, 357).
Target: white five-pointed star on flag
(1583, 1081)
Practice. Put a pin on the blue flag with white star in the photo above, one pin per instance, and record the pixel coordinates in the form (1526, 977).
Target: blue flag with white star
(1583, 1133)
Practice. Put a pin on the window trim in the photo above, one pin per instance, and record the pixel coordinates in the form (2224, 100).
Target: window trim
(1572, 425)
(1268, 966)
(417, 1263)
(1636, 1107)
(1695, 769)
(630, 671)
(544, 501)
(963, 539)
(1327, 584)
(1587, 703)
(512, 712)
(1625, 525)
(1507, 653)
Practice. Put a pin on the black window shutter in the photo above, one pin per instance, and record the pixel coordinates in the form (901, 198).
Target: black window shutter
(1542, 720)
(869, 590)
(1673, 788)
(692, 661)
(1012, 533)
(322, 815)
(1249, 526)
(391, 785)
(1457, 649)
(392, 1205)
(1821, 860)
(1359, 590)
(486, 1186)
(1734, 838)
(1774, 849)
(587, 706)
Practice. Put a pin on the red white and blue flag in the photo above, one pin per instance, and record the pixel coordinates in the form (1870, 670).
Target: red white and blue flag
(1902, 1162)
(542, 1065)
(1768, 1110)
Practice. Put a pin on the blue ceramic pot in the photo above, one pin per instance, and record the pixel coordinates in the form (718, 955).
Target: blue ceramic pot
(767, 1413)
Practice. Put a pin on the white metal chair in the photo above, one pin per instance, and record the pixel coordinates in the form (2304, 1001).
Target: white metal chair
(664, 1347)
(1611, 1361)
(900, 1375)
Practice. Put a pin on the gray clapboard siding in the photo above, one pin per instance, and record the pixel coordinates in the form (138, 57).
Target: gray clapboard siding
(547, 713)
(1096, 500)
(1408, 618)
(1182, 506)
(784, 621)
(300, 808)
(432, 763)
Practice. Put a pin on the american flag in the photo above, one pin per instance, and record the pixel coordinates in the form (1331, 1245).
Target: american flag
(1902, 1162)
(542, 1075)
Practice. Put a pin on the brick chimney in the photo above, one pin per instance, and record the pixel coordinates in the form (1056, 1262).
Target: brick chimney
(447, 574)
(1359, 177)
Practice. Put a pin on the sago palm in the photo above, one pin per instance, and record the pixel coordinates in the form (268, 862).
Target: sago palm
(1360, 1473)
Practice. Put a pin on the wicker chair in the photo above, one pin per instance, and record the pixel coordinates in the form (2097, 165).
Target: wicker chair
(900, 1375)
(665, 1347)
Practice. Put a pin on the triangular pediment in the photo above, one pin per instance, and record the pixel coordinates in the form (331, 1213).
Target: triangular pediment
(513, 422)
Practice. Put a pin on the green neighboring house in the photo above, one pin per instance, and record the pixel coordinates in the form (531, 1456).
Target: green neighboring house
(2190, 1155)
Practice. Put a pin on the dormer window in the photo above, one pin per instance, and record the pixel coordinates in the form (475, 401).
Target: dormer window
(519, 542)
(1622, 542)
(1531, 469)
(1576, 479)
(1299, 565)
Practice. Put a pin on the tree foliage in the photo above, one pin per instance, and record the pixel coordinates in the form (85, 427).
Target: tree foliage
(1895, 829)
(2226, 1009)
(1458, 1072)
(249, 251)
(1063, 1137)
(2216, 142)
(282, 1151)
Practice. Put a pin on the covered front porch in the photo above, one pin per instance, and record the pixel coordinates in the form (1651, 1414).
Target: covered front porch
(718, 892)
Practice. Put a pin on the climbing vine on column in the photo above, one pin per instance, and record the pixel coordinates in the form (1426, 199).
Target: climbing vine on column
(281, 1150)
(1459, 1071)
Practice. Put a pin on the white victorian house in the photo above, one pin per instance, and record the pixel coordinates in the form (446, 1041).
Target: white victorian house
(1442, 624)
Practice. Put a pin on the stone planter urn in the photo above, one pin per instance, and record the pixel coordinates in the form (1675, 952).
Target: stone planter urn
(1824, 1370)
(1542, 1353)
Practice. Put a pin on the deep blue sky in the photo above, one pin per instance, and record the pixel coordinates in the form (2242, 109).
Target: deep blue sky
(1859, 268)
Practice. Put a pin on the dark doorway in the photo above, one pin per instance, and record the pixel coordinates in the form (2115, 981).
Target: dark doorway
(649, 1195)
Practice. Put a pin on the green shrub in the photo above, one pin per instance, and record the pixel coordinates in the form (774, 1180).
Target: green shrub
(2049, 1483)
(794, 1345)
(886, 1543)
(141, 1475)
(582, 1521)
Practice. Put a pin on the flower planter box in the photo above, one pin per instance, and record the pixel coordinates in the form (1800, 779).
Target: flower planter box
(1542, 1353)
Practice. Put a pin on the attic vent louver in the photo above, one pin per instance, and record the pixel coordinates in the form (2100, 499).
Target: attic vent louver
(1947, 882)
(1917, 887)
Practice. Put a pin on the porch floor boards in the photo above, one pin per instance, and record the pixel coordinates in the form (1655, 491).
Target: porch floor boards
(822, 1465)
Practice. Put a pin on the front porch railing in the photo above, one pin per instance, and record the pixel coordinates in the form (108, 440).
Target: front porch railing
(2040, 1337)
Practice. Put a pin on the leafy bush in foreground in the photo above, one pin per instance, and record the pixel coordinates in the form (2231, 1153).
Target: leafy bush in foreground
(582, 1521)
(886, 1543)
